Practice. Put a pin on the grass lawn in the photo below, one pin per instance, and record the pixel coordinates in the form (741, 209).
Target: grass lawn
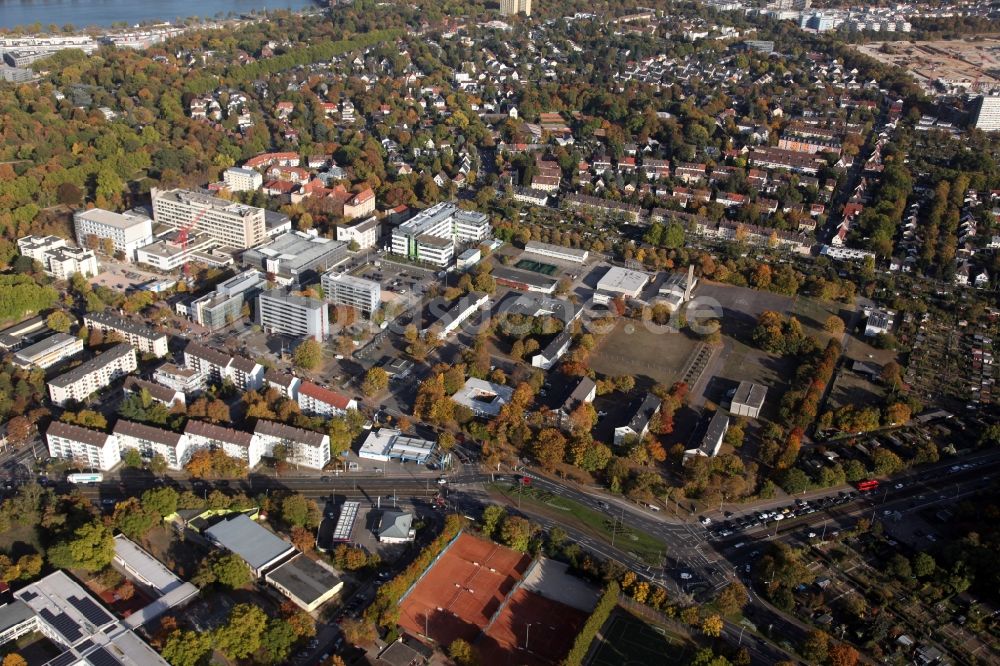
(644, 546)
(629, 641)
(20, 540)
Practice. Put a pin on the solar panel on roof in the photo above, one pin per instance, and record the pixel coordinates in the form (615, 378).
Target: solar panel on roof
(90, 610)
(65, 659)
(62, 623)
(101, 657)
(28, 596)
(86, 645)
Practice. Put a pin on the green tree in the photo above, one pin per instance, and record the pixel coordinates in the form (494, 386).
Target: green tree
(923, 565)
(161, 500)
(493, 517)
(134, 519)
(515, 533)
(226, 569)
(59, 321)
(376, 380)
(461, 652)
(132, 458)
(187, 648)
(816, 646)
(299, 511)
(241, 636)
(277, 641)
(308, 355)
(90, 547)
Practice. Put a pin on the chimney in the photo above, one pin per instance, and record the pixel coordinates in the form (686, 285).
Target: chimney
(690, 283)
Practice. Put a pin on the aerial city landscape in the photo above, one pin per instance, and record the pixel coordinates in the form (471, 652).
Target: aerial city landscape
(516, 333)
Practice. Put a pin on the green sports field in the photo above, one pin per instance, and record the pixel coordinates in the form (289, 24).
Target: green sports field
(629, 641)
(536, 267)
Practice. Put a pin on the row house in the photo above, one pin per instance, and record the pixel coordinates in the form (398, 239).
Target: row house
(302, 447)
(150, 441)
(265, 160)
(655, 169)
(321, 401)
(689, 172)
(775, 158)
(731, 199)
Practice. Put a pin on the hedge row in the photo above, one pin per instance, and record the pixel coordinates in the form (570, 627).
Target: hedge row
(384, 611)
(593, 624)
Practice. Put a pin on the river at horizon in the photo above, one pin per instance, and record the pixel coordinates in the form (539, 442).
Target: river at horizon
(102, 13)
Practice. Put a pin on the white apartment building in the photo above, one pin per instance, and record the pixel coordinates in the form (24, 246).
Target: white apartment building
(320, 401)
(511, 7)
(281, 312)
(128, 231)
(234, 443)
(90, 448)
(232, 224)
(342, 289)
(179, 378)
(365, 233)
(241, 179)
(140, 336)
(93, 375)
(304, 447)
(48, 352)
(57, 257)
(244, 373)
(988, 114)
(150, 441)
(431, 234)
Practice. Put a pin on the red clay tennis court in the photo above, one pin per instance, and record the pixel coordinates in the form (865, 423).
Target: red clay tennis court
(459, 594)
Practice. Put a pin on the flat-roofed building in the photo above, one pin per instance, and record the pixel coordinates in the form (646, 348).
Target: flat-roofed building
(556, 252)
(57, 257)
(228, 223)
(93, 375)
(279, 311)
(446, 318)
(223, 306)
(748, 400)
(387, 444)
(241, 179)
(126, 232)
(49, 351)
(303, 447)
(151, 441)
(83, 631)
(237, 444)
(296, 258)
(528, 281)
(364, 232)
(172, 250)
(880, 322)
(621, 282)
(92, 448)
(22, 333)
(431, 234)
(343, 289)
(16, 620)
(166, 589)
(260, 548)
(144, 338)
(308, 583)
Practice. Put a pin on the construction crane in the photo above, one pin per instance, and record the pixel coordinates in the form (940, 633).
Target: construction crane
(183, 238)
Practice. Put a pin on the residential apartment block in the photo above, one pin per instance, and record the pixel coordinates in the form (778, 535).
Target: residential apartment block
(232, 224)
(150, 441)
(140, 336)
(244, 373)
(93, 375)
(127, 232)
(342, 289)
(90, 448)
(987, 116)
(321, 401)
(365, 233)
(57, 257)
(49, 351)
(511, 7)
(241, 179)
(279, 311)
(304, 447)
(234, 443)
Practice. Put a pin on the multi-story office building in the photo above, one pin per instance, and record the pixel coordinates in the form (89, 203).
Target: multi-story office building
(46, 353)
(279, 311)
(225, 304)
(150, 442)
(127, 231)
(57, 257)
(173, 250)
(140, 336)
(241, 179)
(431, 234)
(234, 443)
(358, 293)
(93, 375)
(511, 7)
(296, 258)
(303, 447)
(988, 113)
(320, 401)
(90, 448)
(232, 224)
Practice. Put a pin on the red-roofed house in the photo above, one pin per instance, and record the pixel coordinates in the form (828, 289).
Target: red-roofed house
(315, 399)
